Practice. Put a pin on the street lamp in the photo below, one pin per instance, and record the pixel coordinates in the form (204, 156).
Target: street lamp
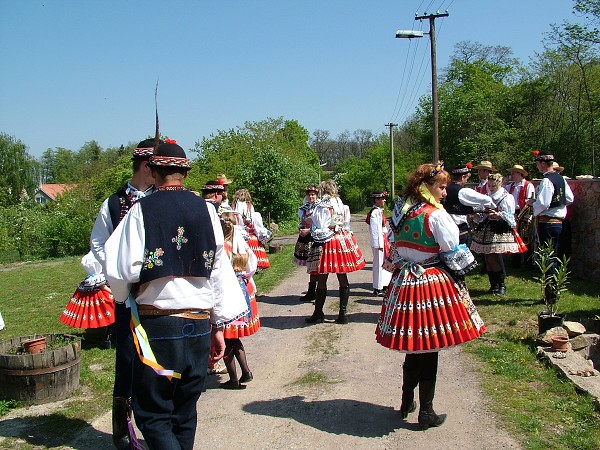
(409, 34)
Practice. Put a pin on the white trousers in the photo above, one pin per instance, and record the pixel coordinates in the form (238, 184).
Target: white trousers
(381, 278)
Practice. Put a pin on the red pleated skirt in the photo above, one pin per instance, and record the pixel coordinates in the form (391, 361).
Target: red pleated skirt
(427, 313)
(248, 325)
(341, 254)
(259, 250)
(89, 308)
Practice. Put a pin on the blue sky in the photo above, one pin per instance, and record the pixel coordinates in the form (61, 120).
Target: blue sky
(81, 70)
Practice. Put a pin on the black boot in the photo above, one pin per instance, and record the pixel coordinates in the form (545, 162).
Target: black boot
(501, 284)
(342, 318)
(427, 416)
(318, 316)
(410, 379)
(310, 294)
(121, 411)
(493, 277)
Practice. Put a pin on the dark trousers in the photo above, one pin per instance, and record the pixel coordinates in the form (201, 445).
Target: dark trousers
(125, 352)
(550, 232)
(165, 411)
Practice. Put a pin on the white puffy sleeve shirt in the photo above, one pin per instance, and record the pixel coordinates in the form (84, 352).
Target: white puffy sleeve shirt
(376, 230)
(544, 197)
(125, 257)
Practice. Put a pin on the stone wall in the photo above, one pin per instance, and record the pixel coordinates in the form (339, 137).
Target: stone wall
(585, 229)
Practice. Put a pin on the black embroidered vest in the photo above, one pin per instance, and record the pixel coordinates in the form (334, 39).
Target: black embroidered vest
(451, 203)
(559, 197)
(118, 205)
(180, 241)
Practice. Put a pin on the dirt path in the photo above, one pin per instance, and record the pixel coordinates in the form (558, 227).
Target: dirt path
(354, 405)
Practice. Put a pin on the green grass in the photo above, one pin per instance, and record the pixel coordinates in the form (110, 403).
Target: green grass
(540, 409)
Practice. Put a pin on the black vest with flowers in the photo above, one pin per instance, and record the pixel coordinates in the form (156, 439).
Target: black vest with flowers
(559, 196)
(179, 236)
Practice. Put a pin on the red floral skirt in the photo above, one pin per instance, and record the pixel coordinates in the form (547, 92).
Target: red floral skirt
(426, 313)
(341, 254)
(89, 308)
(259, 250)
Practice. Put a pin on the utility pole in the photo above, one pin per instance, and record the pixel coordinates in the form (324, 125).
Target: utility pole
(392, 125)
(434, 87)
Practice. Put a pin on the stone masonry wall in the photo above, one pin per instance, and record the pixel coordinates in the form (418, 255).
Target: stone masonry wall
(585, 229)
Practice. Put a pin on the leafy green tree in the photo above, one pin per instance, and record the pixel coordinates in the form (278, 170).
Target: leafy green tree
(234, 151)
(19, 172)
(276, 183)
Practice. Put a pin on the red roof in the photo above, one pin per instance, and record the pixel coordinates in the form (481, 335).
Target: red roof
(54, 190)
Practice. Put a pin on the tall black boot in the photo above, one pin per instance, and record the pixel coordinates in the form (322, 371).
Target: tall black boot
(342, 318)
(318, 316)
(310, 294)
(493, 277)
(501, 277)
(410, 379)
(427, 416)
(121, 411)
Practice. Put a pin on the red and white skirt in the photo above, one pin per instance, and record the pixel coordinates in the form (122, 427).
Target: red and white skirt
(426, 313)
(340, 254)
(89, 308)
(247, 325)
(259, 250)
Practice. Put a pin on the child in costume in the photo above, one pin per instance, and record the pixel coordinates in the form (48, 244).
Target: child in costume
(244, 264)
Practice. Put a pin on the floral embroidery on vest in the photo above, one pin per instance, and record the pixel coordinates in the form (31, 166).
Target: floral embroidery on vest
(152, 259)
(179, 239)
(209, 258)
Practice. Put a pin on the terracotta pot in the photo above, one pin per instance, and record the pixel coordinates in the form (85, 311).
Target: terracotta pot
(34, 346)
(560, 343)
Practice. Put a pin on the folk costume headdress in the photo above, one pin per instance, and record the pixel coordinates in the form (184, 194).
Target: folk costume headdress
(462, 169)
(378, 194)
(170, 155)
(213, 186)
(224, 180)
(543, 155)
(144, 149)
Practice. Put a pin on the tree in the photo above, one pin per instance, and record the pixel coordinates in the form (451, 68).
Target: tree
(19, 172)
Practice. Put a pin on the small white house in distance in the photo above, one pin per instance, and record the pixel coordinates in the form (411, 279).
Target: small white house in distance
(50, 192)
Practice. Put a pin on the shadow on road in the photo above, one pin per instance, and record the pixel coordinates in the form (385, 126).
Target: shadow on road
(338, 416)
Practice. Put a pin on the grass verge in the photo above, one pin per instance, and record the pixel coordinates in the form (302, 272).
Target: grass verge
(540, 409)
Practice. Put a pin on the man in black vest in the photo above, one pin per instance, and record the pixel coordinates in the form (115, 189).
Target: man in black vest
(550, 206)
(169, 252)
(112, 211)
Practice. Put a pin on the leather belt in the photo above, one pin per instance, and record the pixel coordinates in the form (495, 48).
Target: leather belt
(149, 310)
(548, 219)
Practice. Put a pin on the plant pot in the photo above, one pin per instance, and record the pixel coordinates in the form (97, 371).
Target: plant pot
(547, 320)
(34, 346)
(560, 343)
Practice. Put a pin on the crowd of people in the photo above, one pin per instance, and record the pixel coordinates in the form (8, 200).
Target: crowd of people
(171, 270)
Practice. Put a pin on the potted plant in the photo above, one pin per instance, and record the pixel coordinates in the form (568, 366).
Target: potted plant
(552, 285)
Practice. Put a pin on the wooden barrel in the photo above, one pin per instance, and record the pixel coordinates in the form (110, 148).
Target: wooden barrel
(50, 375)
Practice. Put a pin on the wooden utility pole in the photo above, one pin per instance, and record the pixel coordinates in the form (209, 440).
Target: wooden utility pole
(392, 125)
(434, 86)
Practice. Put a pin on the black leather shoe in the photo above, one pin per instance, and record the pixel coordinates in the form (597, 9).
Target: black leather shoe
(430, 419)
(246, 377)
(404, 411)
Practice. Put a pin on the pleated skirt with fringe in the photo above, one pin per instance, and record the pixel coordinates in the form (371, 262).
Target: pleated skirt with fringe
(427, 313)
